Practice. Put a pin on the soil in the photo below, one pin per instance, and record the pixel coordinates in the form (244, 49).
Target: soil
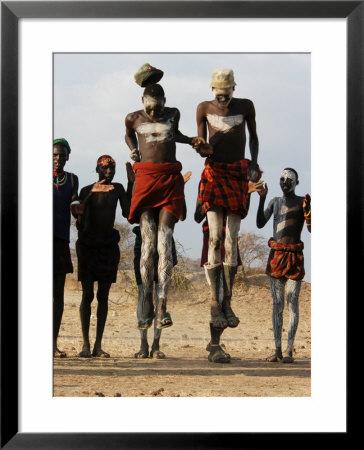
(185, 372)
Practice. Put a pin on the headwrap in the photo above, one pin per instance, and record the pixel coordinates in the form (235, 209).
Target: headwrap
(63, 142)
(105, 160)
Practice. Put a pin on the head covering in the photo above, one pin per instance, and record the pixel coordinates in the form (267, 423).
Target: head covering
(62, 141)
(105, 160)
(147, 75)
(222, 79)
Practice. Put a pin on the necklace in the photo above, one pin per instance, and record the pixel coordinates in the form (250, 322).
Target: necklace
(59, 178)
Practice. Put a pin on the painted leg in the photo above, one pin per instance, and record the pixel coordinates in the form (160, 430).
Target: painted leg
(144, 348)
(213, 275)
(155, 351)
(102, 310)
(229, 275)
(217, 354)
(58, 306)
(149, 240)
(85, 313)
(165, 267)
(277, 290)
(293, 289)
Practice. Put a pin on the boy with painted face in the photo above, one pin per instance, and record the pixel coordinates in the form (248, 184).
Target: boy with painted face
(97, 247)
(285, 266)
(158, 196)
(65, 193)
(224, 194)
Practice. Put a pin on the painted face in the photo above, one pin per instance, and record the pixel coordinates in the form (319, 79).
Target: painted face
(60, 157)
(288, 181)
(223, 96)
(153, 107)
(106, 172)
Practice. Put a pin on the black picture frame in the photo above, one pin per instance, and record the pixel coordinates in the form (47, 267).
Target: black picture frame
(11, 12)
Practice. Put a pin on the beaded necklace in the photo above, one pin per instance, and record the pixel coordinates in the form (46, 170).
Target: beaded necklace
(59, 178)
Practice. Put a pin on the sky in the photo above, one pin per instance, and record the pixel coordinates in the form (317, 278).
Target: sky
(93, 93)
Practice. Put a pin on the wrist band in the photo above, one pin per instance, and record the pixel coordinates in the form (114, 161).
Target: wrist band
(75, 202)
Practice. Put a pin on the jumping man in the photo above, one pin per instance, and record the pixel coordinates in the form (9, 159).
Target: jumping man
(158, 196)
(285, 263)
(224, 193)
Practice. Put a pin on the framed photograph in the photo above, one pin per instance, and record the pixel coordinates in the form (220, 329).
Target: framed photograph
(32, 34)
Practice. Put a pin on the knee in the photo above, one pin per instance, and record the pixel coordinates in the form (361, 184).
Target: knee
(87, 297)
(215, 242)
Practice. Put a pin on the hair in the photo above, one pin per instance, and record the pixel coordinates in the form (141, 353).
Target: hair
(292, 170)
(154, 90)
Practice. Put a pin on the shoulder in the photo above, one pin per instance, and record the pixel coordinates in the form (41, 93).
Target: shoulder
(171, 111)
(85, 190)
(244, 103)
(132, 117)
(118, 187)
(203, 106)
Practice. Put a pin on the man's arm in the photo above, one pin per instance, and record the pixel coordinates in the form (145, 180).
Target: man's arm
(263, 215)
(307, 211)
(124, 201)
(178, 136)
(131, 137)
(253, 142)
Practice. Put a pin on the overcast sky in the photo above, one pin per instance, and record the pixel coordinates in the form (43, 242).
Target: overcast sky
(94, 92)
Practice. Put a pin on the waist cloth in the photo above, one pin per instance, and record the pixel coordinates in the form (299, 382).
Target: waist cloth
(157, 185)
(226, 185)
(285, 260)
(98, 257)
(62, 262)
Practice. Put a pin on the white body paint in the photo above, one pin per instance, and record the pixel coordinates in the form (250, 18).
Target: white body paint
(224, 124)
(157, 132)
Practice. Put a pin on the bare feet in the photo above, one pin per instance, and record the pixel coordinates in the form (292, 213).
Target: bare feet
(218, 318)
(142, 353)
(156, 353)
(231, 318)
(217, 354)
(287, 357)
(59, 353)
(99, 353)
(276, 357)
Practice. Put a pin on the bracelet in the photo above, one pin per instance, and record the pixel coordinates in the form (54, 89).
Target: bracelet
(75, 202)
(307, 214)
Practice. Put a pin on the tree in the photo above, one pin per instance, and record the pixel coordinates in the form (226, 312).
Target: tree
(253, 250)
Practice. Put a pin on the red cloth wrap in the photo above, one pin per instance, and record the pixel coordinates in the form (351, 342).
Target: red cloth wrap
(157, 185)
(226, 185)
(285, 260)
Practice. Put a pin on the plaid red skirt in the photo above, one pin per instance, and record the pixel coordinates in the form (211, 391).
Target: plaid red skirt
(98, 257)
(62, 262)
(157, 185)
(285, 260)
(226, 185)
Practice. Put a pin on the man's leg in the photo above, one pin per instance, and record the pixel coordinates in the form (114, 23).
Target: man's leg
(144, 348)
(230, 266)
(277, 289)
(165, 266)
(155, 352)
(58, 306)
(293, 289)
(85, 313)
(102, 310)
(148, 230)
(215, 218)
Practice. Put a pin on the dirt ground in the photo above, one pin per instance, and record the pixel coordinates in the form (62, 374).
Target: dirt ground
(185, 372)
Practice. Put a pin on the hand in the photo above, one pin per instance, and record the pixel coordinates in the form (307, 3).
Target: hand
(78, 209)
(100, 187)
(306, 204)
(130, 172)
(254, 187)
(253, 172)
(197, 141)
(261, 188)
(187, 176)
(135, 155)
(205, 150)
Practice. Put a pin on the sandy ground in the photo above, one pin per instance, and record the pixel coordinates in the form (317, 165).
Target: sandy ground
(185, 371)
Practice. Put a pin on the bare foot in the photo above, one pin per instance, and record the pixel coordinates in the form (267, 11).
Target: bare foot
(99, 353)
(287, 357)
(218, 355)
(276, 357)
(142, 353)
(218, 318)
(231, 318)
(59, 353)
(156, 353)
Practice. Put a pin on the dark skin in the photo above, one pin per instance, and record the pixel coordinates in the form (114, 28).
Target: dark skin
(151, 135)
(60, 156)
(229, 146)
(96, 216)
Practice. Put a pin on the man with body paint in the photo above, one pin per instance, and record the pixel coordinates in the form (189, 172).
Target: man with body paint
(158, 195)
(65, 194)
(285, 266)
(98, 247)
(224, 193)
